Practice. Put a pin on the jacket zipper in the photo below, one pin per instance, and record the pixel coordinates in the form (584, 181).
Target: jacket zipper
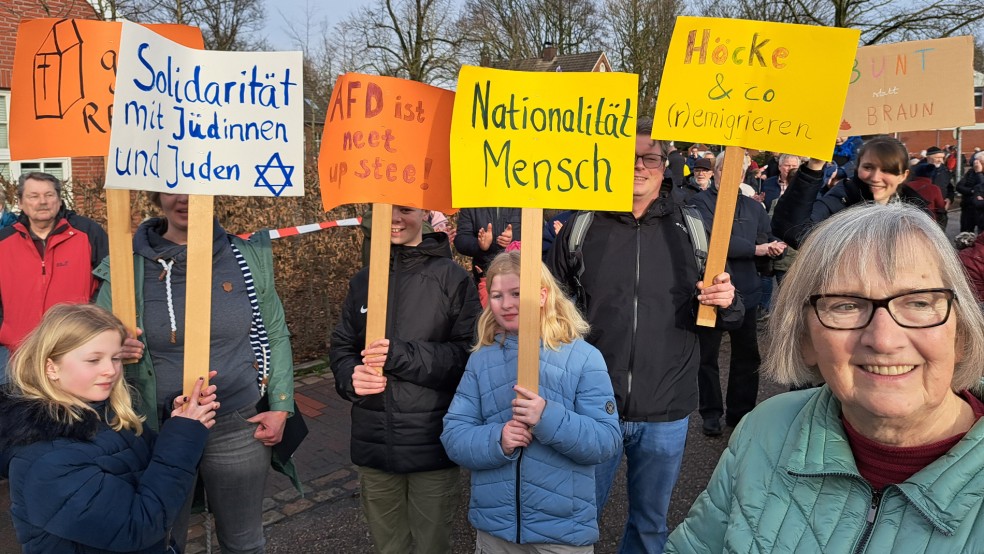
(390, 307)
(519, 503)
(44, 248)
(635, 309)
(869, 521)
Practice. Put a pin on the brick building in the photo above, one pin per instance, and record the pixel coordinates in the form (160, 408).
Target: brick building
(87, 169)
(551, 60)
(970, 137)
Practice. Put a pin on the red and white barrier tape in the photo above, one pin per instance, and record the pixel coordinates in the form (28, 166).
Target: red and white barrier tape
(309, 228)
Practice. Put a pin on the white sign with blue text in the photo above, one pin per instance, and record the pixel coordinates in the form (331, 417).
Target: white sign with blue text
(204, 122)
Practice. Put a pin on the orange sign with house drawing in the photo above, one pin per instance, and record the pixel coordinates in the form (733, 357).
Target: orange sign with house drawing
(61, 99)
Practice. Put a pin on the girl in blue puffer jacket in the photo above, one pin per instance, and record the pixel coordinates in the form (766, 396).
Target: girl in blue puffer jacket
(85, 475)
(532, 455)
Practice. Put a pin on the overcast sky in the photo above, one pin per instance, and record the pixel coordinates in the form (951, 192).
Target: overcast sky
(284, 14)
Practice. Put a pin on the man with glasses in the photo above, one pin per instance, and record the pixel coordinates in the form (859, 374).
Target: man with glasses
(48, 257)
(639, 275)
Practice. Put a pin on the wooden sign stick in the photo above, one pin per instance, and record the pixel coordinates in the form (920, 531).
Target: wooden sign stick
(531, 258)
(379, 266)
(118, 223)
(724, 217)
(198, 296)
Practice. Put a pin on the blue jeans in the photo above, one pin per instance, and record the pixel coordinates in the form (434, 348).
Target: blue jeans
(654, 452)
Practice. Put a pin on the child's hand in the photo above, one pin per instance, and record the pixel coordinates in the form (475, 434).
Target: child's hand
(375, 355)
(366, 381)
(200, 406)
(515, 435)
(528, 406)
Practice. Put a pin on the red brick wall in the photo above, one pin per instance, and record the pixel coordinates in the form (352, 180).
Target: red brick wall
(917, 141)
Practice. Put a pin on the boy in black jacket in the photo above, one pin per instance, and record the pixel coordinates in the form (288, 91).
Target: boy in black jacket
(409, 485)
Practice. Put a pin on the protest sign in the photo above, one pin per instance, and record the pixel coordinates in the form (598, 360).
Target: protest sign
(543, 140)
(386, 140)
(536, 140)
(202, 122)
(771, 86)
(908, 86)
(69, 68)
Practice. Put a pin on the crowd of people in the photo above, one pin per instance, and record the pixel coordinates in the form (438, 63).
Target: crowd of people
(873, 320)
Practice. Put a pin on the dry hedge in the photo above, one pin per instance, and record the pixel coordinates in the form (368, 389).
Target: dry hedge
(312, 270)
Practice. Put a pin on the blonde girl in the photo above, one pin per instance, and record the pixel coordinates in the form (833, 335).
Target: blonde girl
(532, 453)
(85, 476)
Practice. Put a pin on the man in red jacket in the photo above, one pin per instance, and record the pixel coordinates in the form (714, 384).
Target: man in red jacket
(48, 257)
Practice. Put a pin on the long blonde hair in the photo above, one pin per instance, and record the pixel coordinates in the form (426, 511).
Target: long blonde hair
(560, 320)
(64, 328)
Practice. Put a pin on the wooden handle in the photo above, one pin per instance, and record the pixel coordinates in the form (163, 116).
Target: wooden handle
(379, 268)
(529, 299)
(724, 218)
(198, 294)
(121, 254)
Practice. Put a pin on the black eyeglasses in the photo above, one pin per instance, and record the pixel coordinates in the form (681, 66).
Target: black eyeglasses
(651, 161)
(918, 309)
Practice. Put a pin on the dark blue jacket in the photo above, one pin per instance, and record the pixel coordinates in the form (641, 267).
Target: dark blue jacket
(751, 227)
(772, 191)
(7, 219)
(802, 207)
(81, 487)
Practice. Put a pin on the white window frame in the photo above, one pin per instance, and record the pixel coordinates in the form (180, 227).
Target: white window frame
(979, 98)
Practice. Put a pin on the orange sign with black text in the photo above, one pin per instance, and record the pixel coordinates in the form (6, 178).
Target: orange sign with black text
(61, 98)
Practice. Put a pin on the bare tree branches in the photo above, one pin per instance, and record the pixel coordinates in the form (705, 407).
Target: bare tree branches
(517, 29)
(878, 20)
(410, 39)
(225, 24)
(638, 36)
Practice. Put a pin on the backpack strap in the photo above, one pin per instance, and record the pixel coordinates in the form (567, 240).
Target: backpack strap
(580, 222)
(698, 236)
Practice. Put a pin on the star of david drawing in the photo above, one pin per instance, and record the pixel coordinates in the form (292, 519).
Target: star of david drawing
(274, 163)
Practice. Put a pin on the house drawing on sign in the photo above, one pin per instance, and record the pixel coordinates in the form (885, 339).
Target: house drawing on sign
(81, 168)
(56, 85)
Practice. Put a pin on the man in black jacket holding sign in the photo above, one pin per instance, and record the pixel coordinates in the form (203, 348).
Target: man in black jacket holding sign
(640, 282)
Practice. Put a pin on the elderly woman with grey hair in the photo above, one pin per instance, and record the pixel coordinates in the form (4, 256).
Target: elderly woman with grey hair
(886, 456)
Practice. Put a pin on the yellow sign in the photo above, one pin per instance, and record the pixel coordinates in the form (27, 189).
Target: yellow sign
(770, 86)
(897, 87)
(543, 140)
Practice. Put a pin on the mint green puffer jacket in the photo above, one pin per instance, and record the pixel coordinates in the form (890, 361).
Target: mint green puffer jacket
(788, 483)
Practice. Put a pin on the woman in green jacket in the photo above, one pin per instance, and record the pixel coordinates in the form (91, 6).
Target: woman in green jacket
(886, 456)
(249, 347)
